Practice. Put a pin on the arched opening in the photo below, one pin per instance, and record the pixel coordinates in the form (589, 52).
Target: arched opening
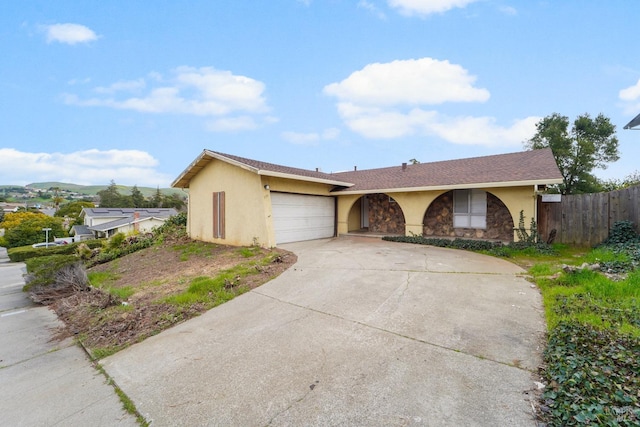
(376, 213)
(492, 221)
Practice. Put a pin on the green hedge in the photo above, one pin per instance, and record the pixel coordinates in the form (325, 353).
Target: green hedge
(472, 245)
(42, 269)
(495, 248)
(24, 253)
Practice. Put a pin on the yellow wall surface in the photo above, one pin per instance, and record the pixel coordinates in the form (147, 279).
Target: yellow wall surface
(247, 203)
(299, 187)
(415, 204)
(245, 198)
(348, 218)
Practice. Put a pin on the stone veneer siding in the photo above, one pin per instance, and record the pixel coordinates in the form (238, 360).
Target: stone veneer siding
(438, 220)
(385, 216)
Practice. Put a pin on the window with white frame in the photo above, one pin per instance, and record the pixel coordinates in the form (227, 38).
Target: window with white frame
(470, 209)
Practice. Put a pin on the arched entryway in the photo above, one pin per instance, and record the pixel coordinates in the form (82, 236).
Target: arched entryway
(376, 213)
(493, 220)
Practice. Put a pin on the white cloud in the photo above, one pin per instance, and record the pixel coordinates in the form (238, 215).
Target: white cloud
(371, 8)
(205, 92)
(509, 10)
(631, 99)
(632, 93)
(232, 124)
(377, 123)
(408, 82)
(311, 138)
(69, 33)
(122, 86)
(91, 166)
(483, 130)
(384, 101)
(426, 7)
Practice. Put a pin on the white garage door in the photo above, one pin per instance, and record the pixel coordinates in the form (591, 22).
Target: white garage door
(299, 217)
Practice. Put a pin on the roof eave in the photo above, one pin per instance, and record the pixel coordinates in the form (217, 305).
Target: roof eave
(206, 156)
(455, 186)
(304, 178)
(633, 124)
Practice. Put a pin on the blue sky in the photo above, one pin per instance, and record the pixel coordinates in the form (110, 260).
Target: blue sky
(134, 91)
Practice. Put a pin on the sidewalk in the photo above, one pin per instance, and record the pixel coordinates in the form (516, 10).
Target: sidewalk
(46, 382)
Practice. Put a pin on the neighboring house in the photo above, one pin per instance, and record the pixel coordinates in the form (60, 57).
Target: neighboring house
(11, 207)
(81, 232)
(240, 201)
(105, 222)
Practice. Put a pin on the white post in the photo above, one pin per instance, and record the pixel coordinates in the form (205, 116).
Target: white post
(46, 232)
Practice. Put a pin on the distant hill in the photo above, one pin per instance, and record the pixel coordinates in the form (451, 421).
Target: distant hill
(92, 190)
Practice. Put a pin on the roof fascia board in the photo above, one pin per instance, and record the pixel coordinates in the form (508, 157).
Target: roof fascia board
(454, 187)
(303, 178)
(232, 161)
(205, 157)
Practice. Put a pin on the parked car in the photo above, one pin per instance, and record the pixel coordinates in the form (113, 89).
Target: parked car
(44, 244)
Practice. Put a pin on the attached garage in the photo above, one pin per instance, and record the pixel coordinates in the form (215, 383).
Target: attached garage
(298, 217)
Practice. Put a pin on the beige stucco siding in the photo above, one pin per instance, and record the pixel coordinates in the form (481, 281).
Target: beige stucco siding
(245, 216)
(297, 187)
(142, 226)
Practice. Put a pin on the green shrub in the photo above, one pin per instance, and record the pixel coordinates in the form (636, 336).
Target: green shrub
(126, 248)
(174, 226)
(622, 232)
(42, 270)
(23, 253)
(116, 240)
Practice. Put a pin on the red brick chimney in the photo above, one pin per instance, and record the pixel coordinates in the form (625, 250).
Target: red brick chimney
(136, 217)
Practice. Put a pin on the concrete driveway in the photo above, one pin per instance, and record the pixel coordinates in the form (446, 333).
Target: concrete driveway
(358, 332)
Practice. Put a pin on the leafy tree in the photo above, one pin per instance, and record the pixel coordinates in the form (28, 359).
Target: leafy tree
(111, 198)
(73, 210)
(619, 184)
(589, 144)
(137, 198)
(57, 199)
(25, 228)
(173, 201)
(157, 199)
(13, 219)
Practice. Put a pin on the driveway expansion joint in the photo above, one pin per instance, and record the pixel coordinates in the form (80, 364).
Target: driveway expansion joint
(418, 340)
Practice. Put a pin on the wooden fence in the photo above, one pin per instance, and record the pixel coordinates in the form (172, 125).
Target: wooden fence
(585, 219)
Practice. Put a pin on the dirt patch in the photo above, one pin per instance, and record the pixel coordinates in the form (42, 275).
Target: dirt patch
(106, 322)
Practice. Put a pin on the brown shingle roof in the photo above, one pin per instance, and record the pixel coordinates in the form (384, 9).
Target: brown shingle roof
(261, 168)
(525, 167)
(536, 166)
(271, 167)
